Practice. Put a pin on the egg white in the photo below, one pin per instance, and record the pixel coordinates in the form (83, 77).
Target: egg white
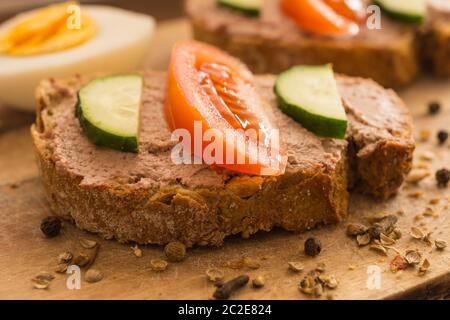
(120, 45)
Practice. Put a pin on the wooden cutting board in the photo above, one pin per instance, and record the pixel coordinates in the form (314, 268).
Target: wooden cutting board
(25, 252)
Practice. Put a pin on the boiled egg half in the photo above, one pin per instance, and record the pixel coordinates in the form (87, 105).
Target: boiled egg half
(66, 39)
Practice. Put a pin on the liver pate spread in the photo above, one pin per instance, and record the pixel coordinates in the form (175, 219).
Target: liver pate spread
(152, 166)
(374, 113)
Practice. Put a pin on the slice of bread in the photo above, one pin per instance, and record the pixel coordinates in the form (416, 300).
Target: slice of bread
(436, 48)
(436, 38)
(273, 43)
(146, 198)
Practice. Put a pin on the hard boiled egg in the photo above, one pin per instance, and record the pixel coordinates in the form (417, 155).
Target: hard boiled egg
(119, 44)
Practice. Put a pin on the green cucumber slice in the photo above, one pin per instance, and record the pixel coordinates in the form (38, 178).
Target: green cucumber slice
(248, 7)
(412, 11)
(108, 109)
(309, 95)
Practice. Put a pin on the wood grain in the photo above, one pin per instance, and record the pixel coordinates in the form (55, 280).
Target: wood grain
(26, 252)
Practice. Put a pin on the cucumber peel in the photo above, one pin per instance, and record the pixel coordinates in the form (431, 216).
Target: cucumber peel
(309, 95)
(108, 109)
(411, 11)
(247, 7)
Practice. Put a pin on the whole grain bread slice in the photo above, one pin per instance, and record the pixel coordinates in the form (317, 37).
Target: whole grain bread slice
(272, 43)
(392, 56)
(436, 48)
(146, 198)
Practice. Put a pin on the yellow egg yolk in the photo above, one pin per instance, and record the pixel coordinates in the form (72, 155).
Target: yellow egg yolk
(51, 29)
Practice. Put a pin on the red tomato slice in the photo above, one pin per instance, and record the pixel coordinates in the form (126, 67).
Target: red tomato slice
(316, 16)
(209, 86)
(351, 9)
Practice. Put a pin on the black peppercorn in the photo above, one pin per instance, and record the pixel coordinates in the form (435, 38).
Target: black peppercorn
(442, 136)
(375, 232)
(312, 247)
(51, 226)
(443, 177)
(434, 108)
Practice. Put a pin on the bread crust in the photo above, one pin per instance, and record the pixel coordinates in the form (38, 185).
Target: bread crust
(436, 48)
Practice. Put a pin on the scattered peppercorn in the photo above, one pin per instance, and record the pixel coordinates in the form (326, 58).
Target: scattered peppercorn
(215, 275)
(175, 251)
(158, 265)
(443, 177)
(259, 282)
(387, 224)
(93, 275)
(375, 231)
(355, 229)
(51, 226)
(312, 247)
(434, 108)
(442, 136)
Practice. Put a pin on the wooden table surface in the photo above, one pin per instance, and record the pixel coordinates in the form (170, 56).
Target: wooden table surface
(25, 252)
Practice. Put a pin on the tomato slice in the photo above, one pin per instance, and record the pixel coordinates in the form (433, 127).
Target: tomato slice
(351, 9)
(316, 16)
(207, 86)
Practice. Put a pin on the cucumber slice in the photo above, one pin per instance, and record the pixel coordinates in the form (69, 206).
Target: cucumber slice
(248, 7)
(108, 111)
(309, 94)
(412, 11)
